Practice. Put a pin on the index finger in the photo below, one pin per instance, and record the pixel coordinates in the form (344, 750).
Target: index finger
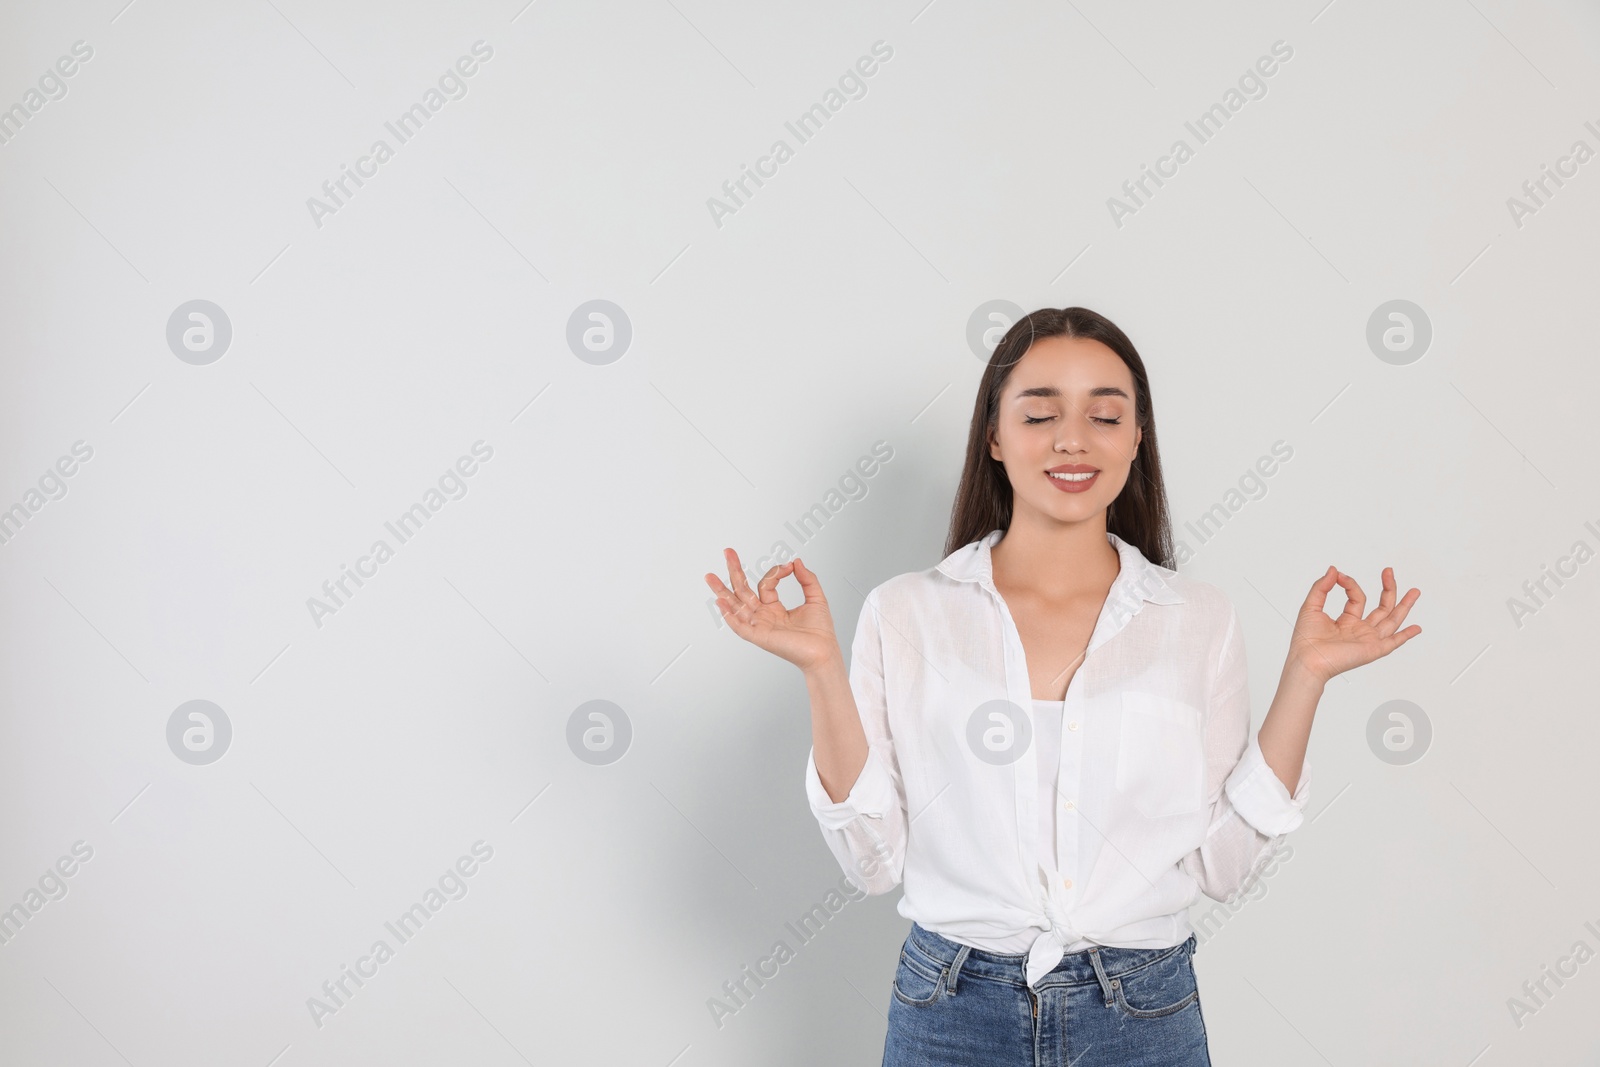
(768, 586)
(1320, 590)
(736, 573)
(1355, 600)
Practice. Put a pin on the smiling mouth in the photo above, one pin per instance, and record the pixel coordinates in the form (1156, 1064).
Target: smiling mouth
(1073, 482)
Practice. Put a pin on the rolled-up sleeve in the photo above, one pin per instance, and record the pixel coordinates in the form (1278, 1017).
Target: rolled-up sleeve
(1259, 795)
(866, 831)
(1251, 810)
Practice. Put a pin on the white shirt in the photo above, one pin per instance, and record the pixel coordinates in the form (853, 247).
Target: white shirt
(1161, 791)
(1047, 719)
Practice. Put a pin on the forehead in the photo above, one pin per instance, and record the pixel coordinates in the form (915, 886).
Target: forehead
(1079, 365)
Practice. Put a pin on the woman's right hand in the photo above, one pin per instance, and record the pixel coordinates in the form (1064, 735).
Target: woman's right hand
(803, 635)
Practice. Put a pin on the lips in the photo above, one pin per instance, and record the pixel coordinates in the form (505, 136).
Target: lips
(1078, 478)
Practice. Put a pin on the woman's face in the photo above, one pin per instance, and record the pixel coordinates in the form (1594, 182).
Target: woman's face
(1067, 409)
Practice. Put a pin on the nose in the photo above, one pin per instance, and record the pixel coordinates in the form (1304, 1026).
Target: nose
(1072, 432)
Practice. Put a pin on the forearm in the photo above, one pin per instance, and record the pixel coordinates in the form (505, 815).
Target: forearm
(837, 737)
(1286, 732)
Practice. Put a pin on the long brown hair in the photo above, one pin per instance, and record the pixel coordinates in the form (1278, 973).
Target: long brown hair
(983, 499)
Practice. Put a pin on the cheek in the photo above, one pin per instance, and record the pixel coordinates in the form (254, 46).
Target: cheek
(1023, 444)
(1126, 444)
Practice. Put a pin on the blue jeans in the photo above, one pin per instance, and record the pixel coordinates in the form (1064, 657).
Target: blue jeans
(955, 1005)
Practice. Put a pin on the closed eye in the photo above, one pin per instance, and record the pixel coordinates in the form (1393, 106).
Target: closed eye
(1031, 421)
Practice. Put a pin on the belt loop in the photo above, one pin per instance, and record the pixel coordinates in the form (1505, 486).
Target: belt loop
(1099, 972)
(955, 968)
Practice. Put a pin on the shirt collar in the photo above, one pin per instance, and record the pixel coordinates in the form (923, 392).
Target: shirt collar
(1138, 578)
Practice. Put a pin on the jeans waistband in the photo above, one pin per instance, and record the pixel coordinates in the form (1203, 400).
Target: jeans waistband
(1097, 964)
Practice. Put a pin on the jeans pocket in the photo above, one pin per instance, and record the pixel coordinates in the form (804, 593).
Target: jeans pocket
(1158, 988)
(916, 983)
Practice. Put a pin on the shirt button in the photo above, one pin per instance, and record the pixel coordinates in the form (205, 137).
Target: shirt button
(1072, 725)
(1067, 882)
(1069, 805)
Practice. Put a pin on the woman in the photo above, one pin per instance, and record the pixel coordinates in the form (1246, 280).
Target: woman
(1045, 737)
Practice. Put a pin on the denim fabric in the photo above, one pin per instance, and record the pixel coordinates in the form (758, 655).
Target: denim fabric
(960, 1006)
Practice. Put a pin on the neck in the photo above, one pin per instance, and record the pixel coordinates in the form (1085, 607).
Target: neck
(1054, 559)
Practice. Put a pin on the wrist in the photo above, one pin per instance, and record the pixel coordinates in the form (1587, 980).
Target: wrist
(1302, 675)
(829, 666)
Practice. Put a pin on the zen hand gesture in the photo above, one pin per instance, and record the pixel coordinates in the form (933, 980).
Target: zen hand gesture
(804, 635)
(1324, 647)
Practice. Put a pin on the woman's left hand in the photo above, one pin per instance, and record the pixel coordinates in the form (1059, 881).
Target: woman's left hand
(1322, 647)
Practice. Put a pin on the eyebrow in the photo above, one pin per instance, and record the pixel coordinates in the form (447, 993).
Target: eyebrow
(1052, 391)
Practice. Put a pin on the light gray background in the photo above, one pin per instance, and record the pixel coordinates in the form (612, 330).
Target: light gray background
(768, 355)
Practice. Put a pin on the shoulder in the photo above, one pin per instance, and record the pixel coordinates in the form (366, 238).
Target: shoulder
(1205, 604)
(912, 589)
(915, 598)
